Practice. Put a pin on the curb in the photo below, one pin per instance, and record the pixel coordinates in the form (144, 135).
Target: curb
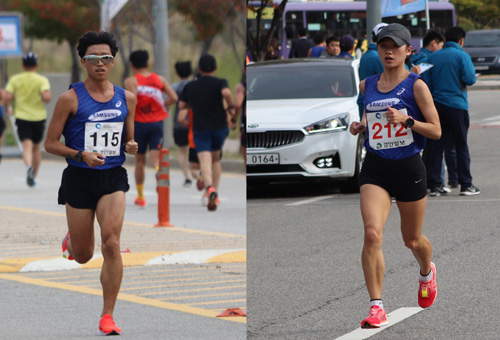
(45, 264)
(228, 165)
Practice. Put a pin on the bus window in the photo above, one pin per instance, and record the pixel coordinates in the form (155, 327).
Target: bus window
(337, 22)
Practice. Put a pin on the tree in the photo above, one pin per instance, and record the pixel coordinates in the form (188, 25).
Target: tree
(209, 17)
(59, 20)
(473, 14)
(258, 42)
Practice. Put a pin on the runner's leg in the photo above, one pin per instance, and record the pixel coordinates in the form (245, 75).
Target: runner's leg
(216, 169)
(375, 208)
(37, 157)
(412, 221)
(205, 158)
(110, 213)
(81, 231)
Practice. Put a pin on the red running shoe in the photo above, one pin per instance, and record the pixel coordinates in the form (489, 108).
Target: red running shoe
(107, 326)
(376, 318)
(427, 291)
(200, 185)
(141, 203)
(66, 253)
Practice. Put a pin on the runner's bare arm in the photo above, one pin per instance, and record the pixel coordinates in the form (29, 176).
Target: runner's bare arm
(182, 118)
(130, 84)
(169, 91)
(131, 146)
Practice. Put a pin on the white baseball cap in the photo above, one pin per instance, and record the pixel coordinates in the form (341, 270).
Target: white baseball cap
(378, 28)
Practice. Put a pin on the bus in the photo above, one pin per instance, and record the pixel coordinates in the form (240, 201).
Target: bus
(344, 17)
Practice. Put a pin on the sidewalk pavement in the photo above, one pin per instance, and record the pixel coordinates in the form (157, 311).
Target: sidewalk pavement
(32, 224)
(486, 82)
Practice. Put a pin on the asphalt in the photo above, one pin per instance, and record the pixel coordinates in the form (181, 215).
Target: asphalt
(32, 224)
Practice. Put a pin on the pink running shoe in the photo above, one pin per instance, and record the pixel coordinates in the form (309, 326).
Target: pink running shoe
(376, 318)
(427, 291)
(212, 198)
(107, 326)
(66, 253)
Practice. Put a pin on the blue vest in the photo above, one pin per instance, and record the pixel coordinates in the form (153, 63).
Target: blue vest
(98, 127)
(401, 97)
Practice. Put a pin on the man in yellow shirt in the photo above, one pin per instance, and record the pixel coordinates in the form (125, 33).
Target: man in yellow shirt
(29, 91)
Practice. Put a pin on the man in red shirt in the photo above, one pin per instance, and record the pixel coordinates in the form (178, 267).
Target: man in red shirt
(150, 112)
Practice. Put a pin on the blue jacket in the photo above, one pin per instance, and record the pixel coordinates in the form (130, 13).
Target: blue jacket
(370, 63)
(452, 71)
(421, 56)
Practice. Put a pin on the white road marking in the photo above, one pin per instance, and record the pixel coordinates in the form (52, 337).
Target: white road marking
(394, 317)
(310, 200)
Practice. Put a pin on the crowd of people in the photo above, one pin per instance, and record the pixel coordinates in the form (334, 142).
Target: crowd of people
(101, 122)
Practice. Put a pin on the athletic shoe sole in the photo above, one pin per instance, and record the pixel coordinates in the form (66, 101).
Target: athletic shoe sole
(212, 204)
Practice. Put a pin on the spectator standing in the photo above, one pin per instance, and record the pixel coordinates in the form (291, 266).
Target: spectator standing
(448, 79)
(184, 72)
(346, 44)
(432, 42)
(29, 92)
(206, 96)
(332, 48)
(300, 46)
(150, 113)
(319, 46)
(96, 119)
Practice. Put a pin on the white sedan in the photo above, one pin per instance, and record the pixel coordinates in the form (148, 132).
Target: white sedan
(298, 117)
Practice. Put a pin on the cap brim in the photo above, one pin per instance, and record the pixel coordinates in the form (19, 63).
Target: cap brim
(397, 40)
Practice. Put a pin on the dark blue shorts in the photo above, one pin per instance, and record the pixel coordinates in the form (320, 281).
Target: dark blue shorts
(148, 135)
(404, 179)
(210, 140)
(82, 188)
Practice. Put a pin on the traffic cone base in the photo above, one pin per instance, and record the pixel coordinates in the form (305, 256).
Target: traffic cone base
(232, 312)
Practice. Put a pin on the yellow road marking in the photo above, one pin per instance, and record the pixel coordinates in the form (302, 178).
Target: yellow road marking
(121, 296)
(236, 256)
(216, 302)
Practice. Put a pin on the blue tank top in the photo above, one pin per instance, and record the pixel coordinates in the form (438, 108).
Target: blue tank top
(401, 97)
(98, 127)
(1, 111)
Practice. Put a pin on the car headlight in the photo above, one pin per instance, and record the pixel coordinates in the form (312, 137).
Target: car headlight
(339, 123)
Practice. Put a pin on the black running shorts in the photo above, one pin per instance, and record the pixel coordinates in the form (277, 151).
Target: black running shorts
(404, 179)
(30, 130)
(82, 188)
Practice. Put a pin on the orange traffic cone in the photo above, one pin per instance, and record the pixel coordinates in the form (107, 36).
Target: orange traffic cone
(164, 190)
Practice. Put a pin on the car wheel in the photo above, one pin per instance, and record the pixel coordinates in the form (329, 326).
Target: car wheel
(351, 185)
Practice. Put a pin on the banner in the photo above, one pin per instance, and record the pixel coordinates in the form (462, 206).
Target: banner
(110, 8)
(10, 35)
(398, 7)
(114, 6)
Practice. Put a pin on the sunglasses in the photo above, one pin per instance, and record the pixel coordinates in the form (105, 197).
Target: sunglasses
(94, 59)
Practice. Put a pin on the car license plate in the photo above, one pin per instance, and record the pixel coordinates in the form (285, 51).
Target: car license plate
(263, 158)
(481, 68)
